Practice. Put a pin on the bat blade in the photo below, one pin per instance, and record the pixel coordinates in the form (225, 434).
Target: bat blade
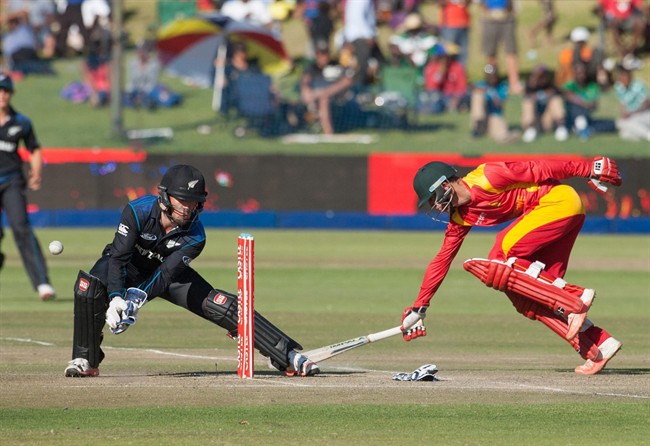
(323, 353)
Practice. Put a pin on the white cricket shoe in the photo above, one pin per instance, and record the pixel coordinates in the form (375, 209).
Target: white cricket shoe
(607, 350)
(79, 368)
(561, 133)
(46, 292)
(529, 135)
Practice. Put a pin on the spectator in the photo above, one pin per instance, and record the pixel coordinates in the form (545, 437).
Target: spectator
(322, 84)
(96, 69)
(623, 17)
(70, 16)
(634, 99)
(238, 63)
(142, 78)
(488, 99)
(318, 20)
(445, 81)
(41, 17)
(411, 45)
(581, 51)
(546, 23)
(19, 46)
(360, 31)
(252, 11)
(454, 25)
(542, 106)
(581, 97)
(499, 25)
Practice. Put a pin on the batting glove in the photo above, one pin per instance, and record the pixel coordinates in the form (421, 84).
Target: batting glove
(122, 313)
(412, 323)
(604, 170)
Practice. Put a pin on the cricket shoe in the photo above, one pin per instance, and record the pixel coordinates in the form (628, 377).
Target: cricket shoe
(577, 320)
(301, 365)
(80, 368)
(607, 350)
(46, 292)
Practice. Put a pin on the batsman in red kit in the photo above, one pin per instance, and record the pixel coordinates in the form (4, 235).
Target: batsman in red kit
(530, 256)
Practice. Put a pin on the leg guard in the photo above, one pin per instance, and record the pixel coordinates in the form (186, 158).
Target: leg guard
(534, 311)
(553, 293)
(220, 307)
(90, 304)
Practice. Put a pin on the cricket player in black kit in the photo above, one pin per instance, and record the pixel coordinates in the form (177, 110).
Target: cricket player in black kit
(15, 127)
(149, 257)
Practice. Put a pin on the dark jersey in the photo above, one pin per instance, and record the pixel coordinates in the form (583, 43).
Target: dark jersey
(142, 255)
(18, 127)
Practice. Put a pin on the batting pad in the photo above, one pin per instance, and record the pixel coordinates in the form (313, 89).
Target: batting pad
(504, 277)
(423, 373)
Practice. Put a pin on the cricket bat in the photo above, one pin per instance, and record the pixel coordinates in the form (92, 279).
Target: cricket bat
(323, 353)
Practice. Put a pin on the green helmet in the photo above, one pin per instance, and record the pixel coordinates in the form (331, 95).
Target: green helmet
(428, 181)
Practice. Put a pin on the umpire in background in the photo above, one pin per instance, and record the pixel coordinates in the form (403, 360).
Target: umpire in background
(14, 127)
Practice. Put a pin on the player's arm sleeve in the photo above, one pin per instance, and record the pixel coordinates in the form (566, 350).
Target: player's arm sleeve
(173, 266)
(504, 174)
(29, 136)
(122, 248)
(439, 266)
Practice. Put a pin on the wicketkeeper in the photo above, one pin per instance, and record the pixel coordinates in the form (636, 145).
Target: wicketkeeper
(155, 241)
(530, 256)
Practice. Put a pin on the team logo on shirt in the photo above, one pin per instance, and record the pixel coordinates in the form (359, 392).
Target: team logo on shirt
(149, 237)
(14, 130)
(172, 244)
(123, 229)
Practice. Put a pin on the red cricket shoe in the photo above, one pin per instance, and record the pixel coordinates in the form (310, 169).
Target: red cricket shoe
(608, 350)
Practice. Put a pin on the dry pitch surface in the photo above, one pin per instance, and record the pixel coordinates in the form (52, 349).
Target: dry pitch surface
(208, 377)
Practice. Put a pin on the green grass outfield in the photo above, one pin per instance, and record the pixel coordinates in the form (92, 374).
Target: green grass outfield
(171, 379)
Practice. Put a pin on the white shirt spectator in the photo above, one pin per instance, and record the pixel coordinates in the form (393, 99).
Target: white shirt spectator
(252, 11)
(360, 20)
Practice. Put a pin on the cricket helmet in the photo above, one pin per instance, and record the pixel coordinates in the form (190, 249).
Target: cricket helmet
(184, 183)
(428, 181)
(6, 83)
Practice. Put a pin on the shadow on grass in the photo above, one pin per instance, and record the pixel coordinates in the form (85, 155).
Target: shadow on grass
(199, 374)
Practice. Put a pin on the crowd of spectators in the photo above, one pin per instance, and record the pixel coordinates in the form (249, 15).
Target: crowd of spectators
(346, 62)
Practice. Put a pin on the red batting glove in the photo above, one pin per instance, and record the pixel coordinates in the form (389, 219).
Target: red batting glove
(412, 323)
(604, 170)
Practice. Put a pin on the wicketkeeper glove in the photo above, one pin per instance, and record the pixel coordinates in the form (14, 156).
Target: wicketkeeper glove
(412, 323)
(604, 170)
(122, 313)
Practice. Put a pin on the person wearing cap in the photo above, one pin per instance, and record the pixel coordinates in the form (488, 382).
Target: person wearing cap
(14, 128)
(634, 99)
(149, 257)
(580, 51)
(544, 217)
(445, 81)
(486, 112)
(411, 44)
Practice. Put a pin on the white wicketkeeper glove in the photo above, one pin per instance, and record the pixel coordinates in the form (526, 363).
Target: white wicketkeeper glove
(122, 313)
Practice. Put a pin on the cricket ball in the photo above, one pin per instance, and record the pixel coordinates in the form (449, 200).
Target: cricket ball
(56, 247)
